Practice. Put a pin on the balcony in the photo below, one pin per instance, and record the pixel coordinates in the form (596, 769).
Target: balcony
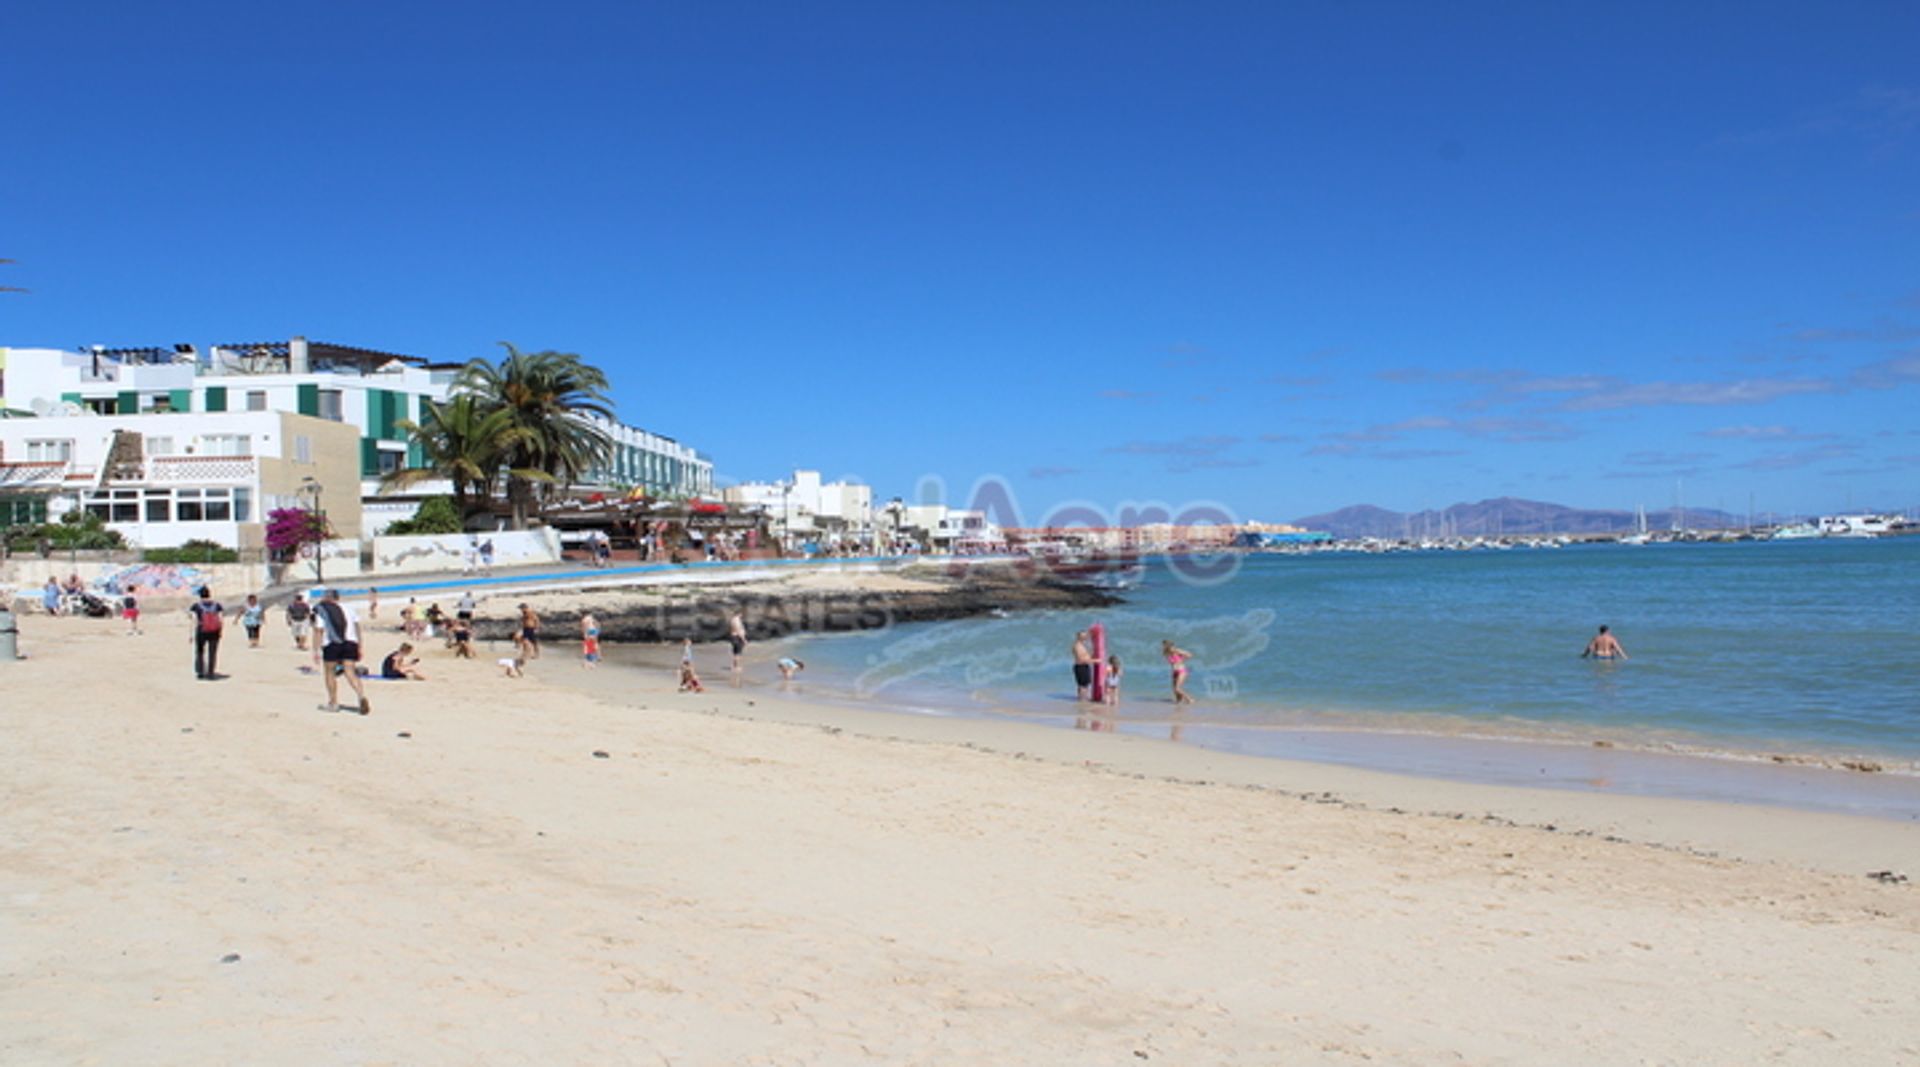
(195, 470)
(47, 474)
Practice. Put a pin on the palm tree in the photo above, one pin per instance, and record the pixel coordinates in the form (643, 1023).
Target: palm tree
(549, 398)
(465, 441)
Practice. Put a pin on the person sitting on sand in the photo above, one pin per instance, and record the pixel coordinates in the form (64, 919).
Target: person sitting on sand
(401, 664)
(511, 666)
(1604, 646)
(1177, 660)
(689, 678)
(1113, 680)
(789, 667)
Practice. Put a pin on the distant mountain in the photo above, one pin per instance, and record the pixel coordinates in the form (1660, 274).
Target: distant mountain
(1503, 516)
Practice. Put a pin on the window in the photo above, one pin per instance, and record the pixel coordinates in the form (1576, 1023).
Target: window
(256, 400)
(302, 448)
(159, 506)
(227, 444)
(50, 451)
(159, 446)
(242, 505)
(120, 505)
(219, 507)
(390, 461)
(330, 405)
(187, 505)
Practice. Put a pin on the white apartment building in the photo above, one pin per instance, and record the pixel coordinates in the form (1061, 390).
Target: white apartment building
(805, 507)
(368, 390)
(162, 480)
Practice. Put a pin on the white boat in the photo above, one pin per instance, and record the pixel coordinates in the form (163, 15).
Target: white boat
(1857, 525)
(1800, 531)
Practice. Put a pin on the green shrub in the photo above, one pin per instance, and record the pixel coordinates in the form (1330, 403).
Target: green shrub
(437, 515)
(196, 551)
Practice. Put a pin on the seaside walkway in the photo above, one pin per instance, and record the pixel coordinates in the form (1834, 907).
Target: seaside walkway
(569, 574)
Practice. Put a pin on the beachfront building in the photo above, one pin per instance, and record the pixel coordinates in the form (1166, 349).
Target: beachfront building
(805, 509)
(657, 465)
(163, 479)
(370, 391)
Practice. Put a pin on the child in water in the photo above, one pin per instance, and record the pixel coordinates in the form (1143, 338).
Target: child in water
(1113, 680)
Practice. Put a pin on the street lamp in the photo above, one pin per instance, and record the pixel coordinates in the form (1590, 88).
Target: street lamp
(311, 489)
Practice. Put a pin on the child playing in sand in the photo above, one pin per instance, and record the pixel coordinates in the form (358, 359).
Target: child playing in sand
(1113, 680)
(130, 611)
(589, 640)
(689, 680)
(511, 666)
(789, 667)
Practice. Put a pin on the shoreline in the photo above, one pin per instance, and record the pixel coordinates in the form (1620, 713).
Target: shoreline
(1733, 824)
(585, 866)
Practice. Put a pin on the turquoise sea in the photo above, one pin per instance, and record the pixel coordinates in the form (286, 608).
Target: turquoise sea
(1791, 649)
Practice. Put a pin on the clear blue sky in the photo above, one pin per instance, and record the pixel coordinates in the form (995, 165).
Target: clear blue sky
(1284, 257)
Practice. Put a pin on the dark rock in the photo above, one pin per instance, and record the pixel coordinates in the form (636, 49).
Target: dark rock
(231, 957)
(599, 754)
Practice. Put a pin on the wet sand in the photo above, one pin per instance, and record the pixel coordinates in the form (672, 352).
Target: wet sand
(216, 872)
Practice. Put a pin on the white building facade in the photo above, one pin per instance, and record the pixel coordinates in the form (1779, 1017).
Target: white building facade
(803, 506)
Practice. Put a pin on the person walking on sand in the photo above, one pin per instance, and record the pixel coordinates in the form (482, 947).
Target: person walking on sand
(1604, 646)
(340, 651)
(1177, 660)
(207, 617)
(737, 637)
(589, 641)
(528, 635)
(1082, 667)
(373, 603)
(253, 616)
(300, 620)
(130, 611)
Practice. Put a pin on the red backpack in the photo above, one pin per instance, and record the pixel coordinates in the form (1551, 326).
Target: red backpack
(210, 621)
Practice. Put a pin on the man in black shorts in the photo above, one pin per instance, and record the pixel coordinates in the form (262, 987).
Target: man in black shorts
(340, 651)
(1082, 666)
(737, 637)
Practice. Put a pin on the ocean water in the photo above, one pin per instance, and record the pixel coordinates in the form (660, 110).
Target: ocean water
(1804, 648)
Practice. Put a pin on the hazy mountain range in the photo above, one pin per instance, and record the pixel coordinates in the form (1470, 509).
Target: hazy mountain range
(1504, 516)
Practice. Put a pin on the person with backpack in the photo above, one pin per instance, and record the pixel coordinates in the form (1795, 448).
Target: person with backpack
(208, 620)
(340, 651)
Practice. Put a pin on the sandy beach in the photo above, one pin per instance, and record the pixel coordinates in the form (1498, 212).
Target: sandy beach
(596, 869)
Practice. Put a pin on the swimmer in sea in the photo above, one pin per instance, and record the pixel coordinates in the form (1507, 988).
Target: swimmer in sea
(1604, 646)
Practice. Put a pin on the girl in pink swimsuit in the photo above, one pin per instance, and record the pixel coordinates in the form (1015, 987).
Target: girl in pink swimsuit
(1177, 659)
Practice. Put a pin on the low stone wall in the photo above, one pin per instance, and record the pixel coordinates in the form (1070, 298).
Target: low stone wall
(418, 554)
(22, 580)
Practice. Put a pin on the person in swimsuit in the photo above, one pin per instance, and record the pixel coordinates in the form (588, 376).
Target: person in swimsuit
(589, 640)
(689, 679)
(789, 667)
(1604, 646)
(401, 665)
(1113, 680)
(528, 636)
(737, 637)
(1177, 659)
(1082, 667)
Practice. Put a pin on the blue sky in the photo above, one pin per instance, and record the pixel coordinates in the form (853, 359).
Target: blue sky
(1282, 257)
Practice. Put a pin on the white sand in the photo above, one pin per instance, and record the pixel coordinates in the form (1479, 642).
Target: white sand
(726, 890)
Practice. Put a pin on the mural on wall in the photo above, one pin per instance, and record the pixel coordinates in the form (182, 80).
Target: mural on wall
(155, 579)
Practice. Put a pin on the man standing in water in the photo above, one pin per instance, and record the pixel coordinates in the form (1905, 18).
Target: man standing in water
(1082, 667)
(1604, 646)
(737, 637)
